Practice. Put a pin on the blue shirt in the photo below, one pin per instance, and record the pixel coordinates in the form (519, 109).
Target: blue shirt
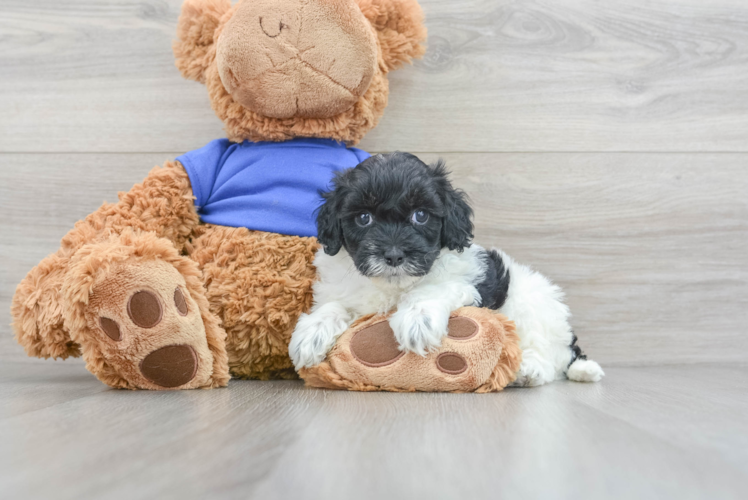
(267, 186)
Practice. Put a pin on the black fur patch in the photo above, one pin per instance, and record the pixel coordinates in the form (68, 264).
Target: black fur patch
(494, 288)
(576, 351)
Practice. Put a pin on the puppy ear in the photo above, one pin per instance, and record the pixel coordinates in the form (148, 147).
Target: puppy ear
(400, 29)
(194, 49)
(329, 228)
(457, 226)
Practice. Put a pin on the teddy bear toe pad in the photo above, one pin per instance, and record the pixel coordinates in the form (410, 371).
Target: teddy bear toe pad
(111, 328)
(375, 346)
(462, 328)
(145, 309)
(170, 366)
(451, 363)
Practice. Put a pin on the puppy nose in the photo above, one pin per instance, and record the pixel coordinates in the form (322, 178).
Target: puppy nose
(394, 257)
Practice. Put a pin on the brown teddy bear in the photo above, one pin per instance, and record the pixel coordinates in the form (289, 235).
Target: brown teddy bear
(200, 272)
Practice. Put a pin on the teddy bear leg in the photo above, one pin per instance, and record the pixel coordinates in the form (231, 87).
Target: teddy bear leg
(138, 309)
(258, 283)
(480, 354)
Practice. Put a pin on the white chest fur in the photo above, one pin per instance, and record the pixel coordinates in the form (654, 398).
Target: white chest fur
(340, 281)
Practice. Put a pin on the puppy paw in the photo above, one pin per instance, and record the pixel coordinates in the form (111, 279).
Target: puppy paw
(314, 336)
(533, 371)
(585, 370)
(420, 329)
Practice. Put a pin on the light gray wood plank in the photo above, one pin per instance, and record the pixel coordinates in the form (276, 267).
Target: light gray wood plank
(500, 75)
(91, 76)
(575, 75)
(649, 248)
(32, 384)
(544, 444)
(656, 432)
(650, 399)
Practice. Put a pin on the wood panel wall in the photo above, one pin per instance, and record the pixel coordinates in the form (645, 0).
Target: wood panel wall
(604, 143)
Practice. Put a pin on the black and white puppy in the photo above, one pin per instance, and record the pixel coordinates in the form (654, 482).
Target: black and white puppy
(396, 234)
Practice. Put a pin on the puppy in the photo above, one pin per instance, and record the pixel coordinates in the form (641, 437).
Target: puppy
(397, 235)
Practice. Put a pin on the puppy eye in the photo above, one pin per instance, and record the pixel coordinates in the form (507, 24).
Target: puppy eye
(419, 217)
(364, 219)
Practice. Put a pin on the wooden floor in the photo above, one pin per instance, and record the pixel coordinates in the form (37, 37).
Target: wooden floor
(658, 432)
(604, 143)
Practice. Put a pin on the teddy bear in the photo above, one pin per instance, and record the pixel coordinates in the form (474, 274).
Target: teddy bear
(200, 272)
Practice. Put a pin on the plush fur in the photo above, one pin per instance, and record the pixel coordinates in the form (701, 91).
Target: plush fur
(258, 283)
(244, 289)
(397, 236)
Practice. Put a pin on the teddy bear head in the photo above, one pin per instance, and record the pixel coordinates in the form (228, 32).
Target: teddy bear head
(279, 69)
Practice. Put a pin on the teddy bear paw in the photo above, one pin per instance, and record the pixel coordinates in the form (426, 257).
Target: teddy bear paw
(368, 357)
(149, 328)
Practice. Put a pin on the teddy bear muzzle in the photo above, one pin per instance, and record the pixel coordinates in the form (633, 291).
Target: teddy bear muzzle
(294, 58)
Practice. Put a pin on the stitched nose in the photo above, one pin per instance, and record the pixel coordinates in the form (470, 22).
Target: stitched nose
(394, 257)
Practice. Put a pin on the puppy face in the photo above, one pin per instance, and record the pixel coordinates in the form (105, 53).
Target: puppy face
(394, 214)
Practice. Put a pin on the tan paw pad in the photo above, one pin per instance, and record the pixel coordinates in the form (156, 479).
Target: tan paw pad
(111, 328)
(451, 363)
(376, 346)
(145, 309)
(170, 366)
(180, 302)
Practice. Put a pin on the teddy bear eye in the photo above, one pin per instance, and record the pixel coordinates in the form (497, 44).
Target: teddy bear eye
(364, 219)
(419, 217)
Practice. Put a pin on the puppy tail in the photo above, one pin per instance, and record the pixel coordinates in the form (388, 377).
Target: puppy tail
(494, 288)
(580, 368)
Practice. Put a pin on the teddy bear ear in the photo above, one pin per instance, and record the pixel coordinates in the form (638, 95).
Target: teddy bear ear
(400, 28)
(194, 48)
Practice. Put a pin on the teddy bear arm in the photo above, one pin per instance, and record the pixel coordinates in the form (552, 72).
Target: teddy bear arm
(162, 204)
